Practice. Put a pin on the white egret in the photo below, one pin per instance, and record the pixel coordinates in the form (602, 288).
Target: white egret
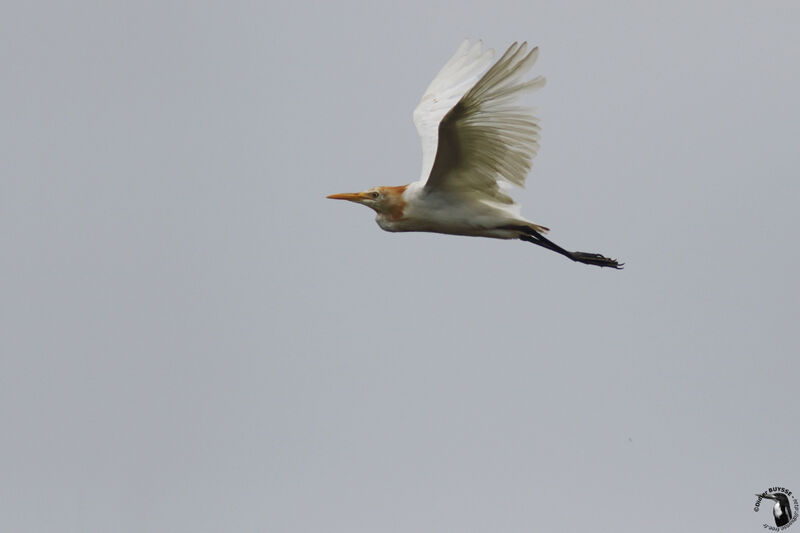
(474, 140)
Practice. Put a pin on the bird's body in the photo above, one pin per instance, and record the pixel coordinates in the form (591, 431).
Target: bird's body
(410, 208)
(475, 141)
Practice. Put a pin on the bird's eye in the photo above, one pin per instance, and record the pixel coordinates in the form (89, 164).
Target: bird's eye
(375, 194)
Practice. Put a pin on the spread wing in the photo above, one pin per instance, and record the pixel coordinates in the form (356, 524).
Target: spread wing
(457, 77)
(485, 140)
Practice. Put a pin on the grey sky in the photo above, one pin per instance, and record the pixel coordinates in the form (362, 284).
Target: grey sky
(195, 339)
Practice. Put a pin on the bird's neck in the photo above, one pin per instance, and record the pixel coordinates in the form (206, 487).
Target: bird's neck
(394, 204)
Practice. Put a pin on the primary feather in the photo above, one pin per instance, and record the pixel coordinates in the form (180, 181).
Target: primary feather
(483, 139)
(455, 78)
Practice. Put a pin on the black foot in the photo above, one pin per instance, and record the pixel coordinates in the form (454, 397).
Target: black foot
(596, 259)
(537, 238)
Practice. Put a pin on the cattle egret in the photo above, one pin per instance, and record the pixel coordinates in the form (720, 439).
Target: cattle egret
(475, 141)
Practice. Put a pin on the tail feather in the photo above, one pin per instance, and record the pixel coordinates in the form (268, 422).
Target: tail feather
(537, 228)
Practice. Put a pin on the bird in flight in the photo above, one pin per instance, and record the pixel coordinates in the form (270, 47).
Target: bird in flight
(475, 143)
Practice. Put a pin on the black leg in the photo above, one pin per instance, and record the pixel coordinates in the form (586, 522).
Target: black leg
(534, 237)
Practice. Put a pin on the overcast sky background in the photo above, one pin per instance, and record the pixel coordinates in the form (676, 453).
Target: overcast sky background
(195, 339)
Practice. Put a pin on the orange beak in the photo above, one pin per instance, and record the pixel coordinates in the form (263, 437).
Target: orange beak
(352, 196)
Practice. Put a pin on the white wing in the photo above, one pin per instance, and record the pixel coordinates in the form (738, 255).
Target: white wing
(485, 139)
(451, 83)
